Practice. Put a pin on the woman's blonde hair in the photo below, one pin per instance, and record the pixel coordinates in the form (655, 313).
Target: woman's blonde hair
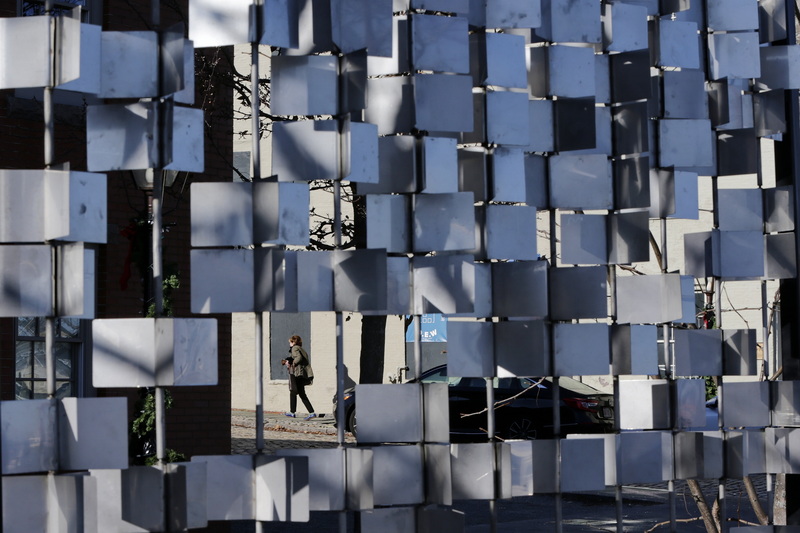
(296, 340)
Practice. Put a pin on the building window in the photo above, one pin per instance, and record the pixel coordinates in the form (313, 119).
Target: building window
(30, 375)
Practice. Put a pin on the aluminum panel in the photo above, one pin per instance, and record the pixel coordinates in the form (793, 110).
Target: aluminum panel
(739, 352)
(542, 126)
(578, 292)
(745, 404)
(740, 210)
(392, 104)
(84, 59)
(359, 280)
(194, 351)
(581, 349)
(470, 350)
(325, 477)
(305, 85)
(359, 24)
(630, 127)
(75, 286)
(571, 71)
(780, 256)
(280, 214)
(624, 27)
(396, 52)
(678, 44)
(738, 152)
(22, 202)
(315, 29)
(212, 293)
(698, 253)
(388, 217)
(26, 278)
(28, 439)
(644, 404)
(315, 281)
(740, 254)
(630, 76)
(536, 181)
(305, 151)
(632, 183)
(222, 213)
(444, 284)
(436, 414)
(690, 399)
(93, 433)
(25, 66)
(685, 143)
(359, 479)
(507, 120)
(634, 350)
(769, 113)
(780, 68)
(443, 222)
(25, 503)
(519, 289)
(738, 15)
(522, 348)
(698, 455)
(513, 14)
(215, 24)
(734, 55)
(576, 22)
(686, 195)
(121, 137)
(648, 457)
(545, 460)
(398, 475)
(698, 352)
(440, 44)
(188, 507)
(651, 299)
(280, 20)
(680, 94)
(442, 102)
(473, 475)
(363, 156)
(505, 61)
(397, 160)
(772, 20)
(583, 239)
(75, 206)
(129, 64)
(582, 465)
(745, 453)
(281, 489)
(439, 165)
(124, 352)
(482, 307)
(452, 6)
(580, 181)
(379, 421)
(230, 486)
(602, 78)
(389, 519)
(508, 171)
(628, 237)
(511, 232)
(784, 397)
(782, 447)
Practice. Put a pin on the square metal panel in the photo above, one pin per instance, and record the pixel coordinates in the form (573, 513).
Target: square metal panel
(129, 64)
(230, 486)
(325, 476)
(305, 85)
(779, 210)
(280, 214)
(536, 181)
(662, 192)
(511, 232)
(740, 210)
(780, 68)
(784, 402)
(315, 33)
(222, 214)
(624, 27)
(361, 163)
(281, 489)
(698, 253)
(470, 351)
(391, 104)
(440, 44)
(397, 157)
(451, 6)
(86, 60)
(648, 457)
(734, 55)
(739, 352)
(358, 478)
(25, 66)
(574, 124)
(215, 24)
(473, 475)
(388, 225)
(577, 22)
(690, 399)
(746, 404)
(781, 446)
(504, 63)
(29, 438)
(736, 15)
(686, 195)
(513, 14)
(570, 71)
(398, 287)
(482, 307)
(74, 206)
(578, 292)
(444, 284)
(26, 278)
(397, 54)
(398, 475)
(582, 465)
(542, 126)
(212, 293)
(698, 455)
(628, 238)
(580, 181)
(685, 143)
(698, 352)
(507, 118)
(379, 422)
(630, 123)
(389, 519)
(444, 222)
(439, 164)
(442, 102)
(772, 20)
(124, 353)
(359, 280)
(584, 240)
(360, 24)
(522, 348)
(769, 113)
(186, 140)
(508, 171)
(22, 202)
(192, 344)
(683, 90)
(436, 420)
(275, 273)
(634, 350)
(632, 182)
(315, 287)
(121, 137)
(25, 503)
(644, 404)
(739, 255)
(305, 151)
(746, 453)
(93, 433)
(630, 76)
(545, 461)
(780, 256)
(602, 79)
(678, 44)
(75, 285)
(650, 299)
(511, 280)
(581, 349)
(279, 23)
(737, 152)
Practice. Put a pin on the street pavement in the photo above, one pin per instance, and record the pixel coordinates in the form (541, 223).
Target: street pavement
(643, 508)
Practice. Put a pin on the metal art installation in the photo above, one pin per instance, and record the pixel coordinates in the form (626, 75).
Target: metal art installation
(471, 127)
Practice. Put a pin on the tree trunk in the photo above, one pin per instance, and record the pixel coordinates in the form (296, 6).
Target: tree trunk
(752, 495)
(373, 343)
(700, 500)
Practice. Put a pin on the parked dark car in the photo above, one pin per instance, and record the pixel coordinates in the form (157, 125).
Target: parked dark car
(523, 406)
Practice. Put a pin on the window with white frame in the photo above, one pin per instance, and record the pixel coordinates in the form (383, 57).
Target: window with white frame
(30, 377)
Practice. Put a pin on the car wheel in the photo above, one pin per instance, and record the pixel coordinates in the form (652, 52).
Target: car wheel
(521, 429)
(351, 421)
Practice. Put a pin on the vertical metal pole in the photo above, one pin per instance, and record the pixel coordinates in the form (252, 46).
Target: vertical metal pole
(556, 396)
(49, 159)
(490, 430)
(343, 124)
(668, 362)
